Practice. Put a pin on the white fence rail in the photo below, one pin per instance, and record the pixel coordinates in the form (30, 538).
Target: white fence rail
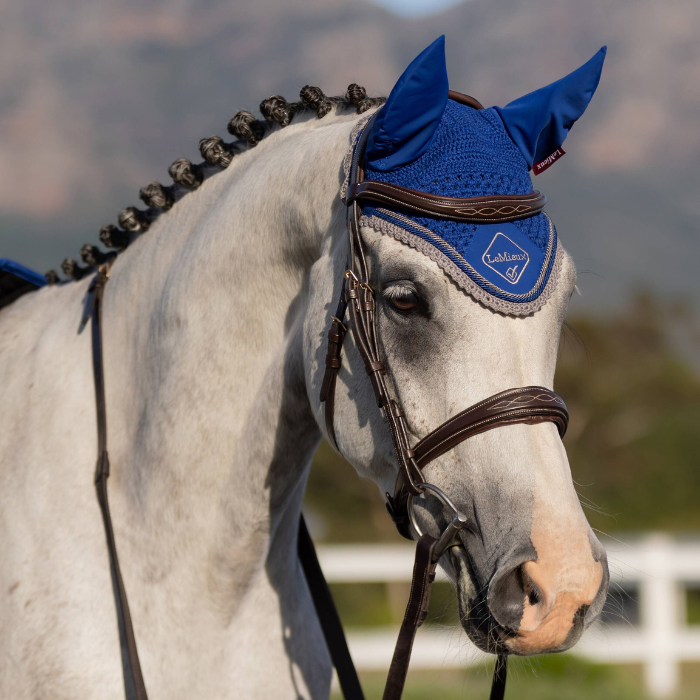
(656, 565)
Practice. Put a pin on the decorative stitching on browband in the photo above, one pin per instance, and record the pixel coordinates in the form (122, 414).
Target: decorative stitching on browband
(506, 211)
(533, 197)
(461, 277)
(514, 403)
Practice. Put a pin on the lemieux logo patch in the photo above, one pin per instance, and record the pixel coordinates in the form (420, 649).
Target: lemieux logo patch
(547, 162)
(506, 258)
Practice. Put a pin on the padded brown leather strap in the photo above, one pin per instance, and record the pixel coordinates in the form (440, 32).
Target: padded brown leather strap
(492, 209)
(134, 686)
(529, 404)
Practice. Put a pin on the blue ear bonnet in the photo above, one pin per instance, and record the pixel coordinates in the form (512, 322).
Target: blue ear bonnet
(506, 266)
(463, 152)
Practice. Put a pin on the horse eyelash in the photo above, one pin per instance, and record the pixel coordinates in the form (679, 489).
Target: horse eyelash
(399, 291)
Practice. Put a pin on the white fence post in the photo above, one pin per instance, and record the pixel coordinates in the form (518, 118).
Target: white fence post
(658, 602)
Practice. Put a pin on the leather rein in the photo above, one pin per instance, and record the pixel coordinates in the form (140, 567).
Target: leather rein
(522, 405)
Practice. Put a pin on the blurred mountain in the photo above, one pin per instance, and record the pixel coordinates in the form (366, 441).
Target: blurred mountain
(98, 97)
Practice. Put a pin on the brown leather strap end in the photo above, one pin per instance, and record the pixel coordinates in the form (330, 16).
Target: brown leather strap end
(416, 611)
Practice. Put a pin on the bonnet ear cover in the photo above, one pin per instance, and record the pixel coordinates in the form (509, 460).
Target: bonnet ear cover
(405, 126)
(539, 122)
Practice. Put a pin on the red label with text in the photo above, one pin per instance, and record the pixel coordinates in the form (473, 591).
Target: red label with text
(540, 167)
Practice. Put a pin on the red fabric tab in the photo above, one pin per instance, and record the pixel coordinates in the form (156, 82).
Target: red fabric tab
(540, 167)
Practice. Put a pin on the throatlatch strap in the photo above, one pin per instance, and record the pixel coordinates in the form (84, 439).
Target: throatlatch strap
(328, 616)
(134, 686)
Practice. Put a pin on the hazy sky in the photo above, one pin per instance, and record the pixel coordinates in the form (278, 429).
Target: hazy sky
(416, 8)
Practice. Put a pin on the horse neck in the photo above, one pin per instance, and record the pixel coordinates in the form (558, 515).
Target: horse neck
(211, 430)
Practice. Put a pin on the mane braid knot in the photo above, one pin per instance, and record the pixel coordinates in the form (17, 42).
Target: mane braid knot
(133, 220)
(71, 269)
(114, 237)
(156, 195)
(52, 277)
(185, 173)
(246, 127)
(357, 95)
(216, 152)
(277, 109)
(315, 99)
(93, 256)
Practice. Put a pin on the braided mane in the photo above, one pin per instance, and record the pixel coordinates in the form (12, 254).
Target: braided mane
(217, 153)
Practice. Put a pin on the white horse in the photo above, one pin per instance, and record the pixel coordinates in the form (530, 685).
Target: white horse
(214, 329)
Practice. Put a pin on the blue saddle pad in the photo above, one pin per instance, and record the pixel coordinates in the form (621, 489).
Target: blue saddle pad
(16, 280)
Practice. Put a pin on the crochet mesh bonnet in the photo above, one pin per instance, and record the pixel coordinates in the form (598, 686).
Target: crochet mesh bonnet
(425, 141)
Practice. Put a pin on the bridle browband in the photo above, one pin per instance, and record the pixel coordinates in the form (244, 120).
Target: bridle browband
(523, 405)
(530, 405)
(493, 209)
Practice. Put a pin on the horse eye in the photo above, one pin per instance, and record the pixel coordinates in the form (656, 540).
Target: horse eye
(405, 302)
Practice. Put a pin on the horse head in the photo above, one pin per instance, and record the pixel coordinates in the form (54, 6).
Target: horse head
(464, 310)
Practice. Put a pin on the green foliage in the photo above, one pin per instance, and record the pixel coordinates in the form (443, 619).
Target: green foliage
(635, 418)
(351, 509)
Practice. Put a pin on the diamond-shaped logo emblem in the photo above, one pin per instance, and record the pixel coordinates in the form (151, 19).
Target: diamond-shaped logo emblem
(506, 258)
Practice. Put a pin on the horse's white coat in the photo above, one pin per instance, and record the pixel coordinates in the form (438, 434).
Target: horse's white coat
(214, 336)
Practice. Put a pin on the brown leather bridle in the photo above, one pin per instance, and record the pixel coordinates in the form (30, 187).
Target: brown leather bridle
(530, 405)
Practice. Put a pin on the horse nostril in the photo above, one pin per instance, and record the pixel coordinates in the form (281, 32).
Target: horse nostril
(580, 614)
(533, 597)
(533, 593)
(509, 592)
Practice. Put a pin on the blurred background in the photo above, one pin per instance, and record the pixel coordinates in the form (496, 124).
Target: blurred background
(98, 97)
